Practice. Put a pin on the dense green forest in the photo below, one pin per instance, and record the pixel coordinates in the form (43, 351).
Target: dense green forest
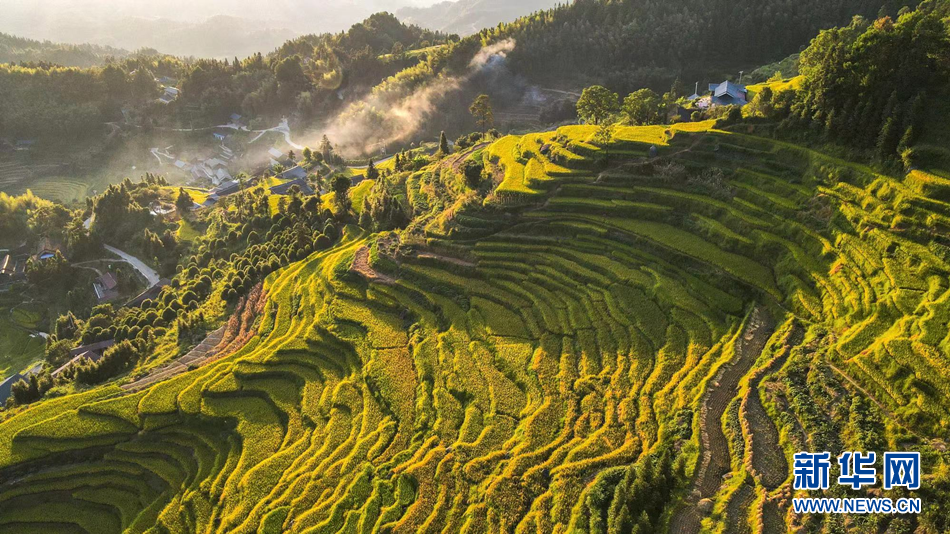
(303, 77)
(628, 44)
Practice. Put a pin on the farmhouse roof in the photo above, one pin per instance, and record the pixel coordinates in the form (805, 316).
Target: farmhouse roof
(6, 387)
(295, 173)
(107, 281)
(92, 347)
(284, 188)
(277, 154)
(728, 88)
(227, 188)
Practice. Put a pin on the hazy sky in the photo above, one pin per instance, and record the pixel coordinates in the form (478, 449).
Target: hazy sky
(132, 23)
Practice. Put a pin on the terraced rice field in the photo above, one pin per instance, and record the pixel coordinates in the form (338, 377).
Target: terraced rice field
(625, 346)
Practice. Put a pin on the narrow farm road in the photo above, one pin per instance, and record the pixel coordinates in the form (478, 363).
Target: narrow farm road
(714, 460)
(138, 264)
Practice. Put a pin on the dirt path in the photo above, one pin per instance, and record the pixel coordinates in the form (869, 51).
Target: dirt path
(362, 267)
(715, 460)
(438, 257)
(768, 459)
(737, 511)
(204, 351)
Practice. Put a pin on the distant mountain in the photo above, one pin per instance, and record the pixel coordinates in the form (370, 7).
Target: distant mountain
(217, 37)
(206, 28)
(466, 17)
(17, 49)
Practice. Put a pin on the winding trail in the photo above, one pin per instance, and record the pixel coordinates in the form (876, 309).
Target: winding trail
(282, 128)
(715, 459)
(150, 274)
(196, 357)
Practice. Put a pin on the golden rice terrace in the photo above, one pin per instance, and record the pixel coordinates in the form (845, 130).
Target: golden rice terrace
(632, 348)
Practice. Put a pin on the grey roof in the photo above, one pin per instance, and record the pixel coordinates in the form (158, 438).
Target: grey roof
(227, 188)
(6, 387)
(284, 188)
(728, 88)
(296, 173)
(93, 347)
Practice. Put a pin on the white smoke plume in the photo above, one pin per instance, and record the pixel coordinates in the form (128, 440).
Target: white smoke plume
(380, 120)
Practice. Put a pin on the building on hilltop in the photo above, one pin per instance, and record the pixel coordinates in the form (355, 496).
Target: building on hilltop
(728, 94)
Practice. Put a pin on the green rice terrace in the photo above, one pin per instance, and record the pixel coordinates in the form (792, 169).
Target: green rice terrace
(634, 347)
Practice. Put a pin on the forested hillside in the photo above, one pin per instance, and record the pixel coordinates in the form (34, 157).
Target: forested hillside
(17, 50)
(302, 77)
(622, 45)
(631, 44)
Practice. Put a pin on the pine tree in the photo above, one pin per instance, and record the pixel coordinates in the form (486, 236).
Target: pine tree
(184, 202)
(372, 173)
(889, 139)
(443, 145)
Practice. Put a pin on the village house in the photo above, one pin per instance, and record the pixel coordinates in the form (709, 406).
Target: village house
(285, 188)
(46, 249)
(6, 387)
(7, 267)
(214, 169)
(279, 158)
(169, 96)
(92, 352)
(106, 288)
(295, 173)
(227, 188)
(728, 94)
(720, 94)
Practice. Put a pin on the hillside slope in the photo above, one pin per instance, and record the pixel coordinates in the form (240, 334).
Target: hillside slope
(540, 363)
